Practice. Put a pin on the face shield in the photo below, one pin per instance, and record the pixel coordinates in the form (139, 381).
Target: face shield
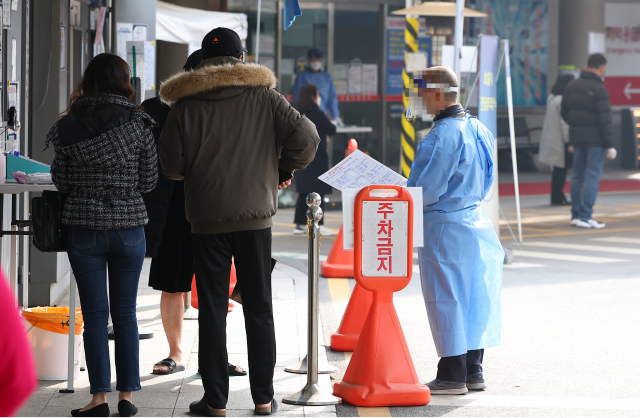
(419, 107)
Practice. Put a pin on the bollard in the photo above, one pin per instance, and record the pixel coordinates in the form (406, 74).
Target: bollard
(189, 311)
(311, 394)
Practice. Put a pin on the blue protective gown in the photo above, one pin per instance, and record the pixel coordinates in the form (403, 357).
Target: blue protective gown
(461, 262)
(322, 80)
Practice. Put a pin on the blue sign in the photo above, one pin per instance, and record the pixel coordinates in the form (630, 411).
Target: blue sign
(487, 103)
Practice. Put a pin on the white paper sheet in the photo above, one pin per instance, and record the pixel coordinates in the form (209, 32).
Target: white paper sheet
(139, 69)
(348, 200)
(150, 65)
(124, 34)
(139, 33)
(359, 170)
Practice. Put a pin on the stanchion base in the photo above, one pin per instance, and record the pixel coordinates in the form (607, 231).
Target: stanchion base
(66, 391)
(311, 395)
(344, 342)
(190, 313)
(301, 367)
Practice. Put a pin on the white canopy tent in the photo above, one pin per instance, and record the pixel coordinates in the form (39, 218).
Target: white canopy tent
(185, 25)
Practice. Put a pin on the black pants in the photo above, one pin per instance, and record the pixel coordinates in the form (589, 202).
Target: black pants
(300, 218)
(457, 368)
(252, 257)
(558, 179)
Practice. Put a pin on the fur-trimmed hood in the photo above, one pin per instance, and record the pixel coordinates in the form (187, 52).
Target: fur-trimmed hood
(215, 74)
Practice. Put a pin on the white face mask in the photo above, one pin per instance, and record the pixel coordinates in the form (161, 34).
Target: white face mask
(315, 65)
(319, 101)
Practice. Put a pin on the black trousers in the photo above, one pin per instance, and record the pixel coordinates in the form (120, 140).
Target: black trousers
(558, 179)
(251, 251)
(457, 368)
(300, 217)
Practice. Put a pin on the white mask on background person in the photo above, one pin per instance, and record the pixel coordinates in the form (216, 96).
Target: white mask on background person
(315, 65)
(319, 101)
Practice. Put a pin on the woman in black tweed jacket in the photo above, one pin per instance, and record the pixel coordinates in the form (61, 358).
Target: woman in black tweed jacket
(105, 157)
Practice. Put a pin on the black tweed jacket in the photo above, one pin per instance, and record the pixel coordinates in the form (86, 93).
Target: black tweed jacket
(105, 157)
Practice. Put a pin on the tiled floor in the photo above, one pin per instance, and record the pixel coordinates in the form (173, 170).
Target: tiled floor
(163, 396)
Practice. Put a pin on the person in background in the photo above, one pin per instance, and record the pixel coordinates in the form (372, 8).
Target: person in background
(105, 158)
(314, 74)
(461, 261)
(587, 110)
(19, 378)
(554, 141)
(169, 243)
(307, 179)
(235, 142)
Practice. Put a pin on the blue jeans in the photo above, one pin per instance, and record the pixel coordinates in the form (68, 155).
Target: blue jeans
(89, 253)
(587, 167)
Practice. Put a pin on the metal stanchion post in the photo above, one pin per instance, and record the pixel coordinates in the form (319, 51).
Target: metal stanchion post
(72, 334)
(311, 394)
(189, 311)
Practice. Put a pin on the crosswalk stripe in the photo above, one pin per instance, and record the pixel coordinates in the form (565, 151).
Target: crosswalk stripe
(564, 257)
(621, 240)
(556, 402)
(581, 247)
(518, 265)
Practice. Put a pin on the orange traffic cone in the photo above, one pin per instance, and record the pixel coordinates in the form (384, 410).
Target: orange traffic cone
(232, 284)
(340, 262)
(381, 372)
(346, 337)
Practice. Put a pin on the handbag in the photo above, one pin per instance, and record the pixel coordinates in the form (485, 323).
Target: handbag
(49, 233)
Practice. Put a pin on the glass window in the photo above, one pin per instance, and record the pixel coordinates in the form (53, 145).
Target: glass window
(358, 56)
(309, 31)
(268, 29)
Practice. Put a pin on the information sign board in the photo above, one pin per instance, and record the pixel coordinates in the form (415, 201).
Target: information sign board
(384, 238)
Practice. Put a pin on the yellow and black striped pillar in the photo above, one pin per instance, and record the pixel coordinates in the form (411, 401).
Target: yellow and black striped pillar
(408, 136)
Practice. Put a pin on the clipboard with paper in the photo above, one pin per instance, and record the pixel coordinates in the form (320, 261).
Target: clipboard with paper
(359, 170)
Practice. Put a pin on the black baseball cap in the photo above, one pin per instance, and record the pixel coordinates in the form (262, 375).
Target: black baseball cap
(193, 61)
(314, 53)
(221, 42)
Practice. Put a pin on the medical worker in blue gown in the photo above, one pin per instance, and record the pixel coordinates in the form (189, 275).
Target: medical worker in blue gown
(314, 74)
(461, 262)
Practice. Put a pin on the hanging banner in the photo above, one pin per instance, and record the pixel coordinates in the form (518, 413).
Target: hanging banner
(487, 114)
(525, 23)
(487, 103)
(622, 21)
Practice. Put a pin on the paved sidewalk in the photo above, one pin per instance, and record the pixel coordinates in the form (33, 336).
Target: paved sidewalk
(171, 395)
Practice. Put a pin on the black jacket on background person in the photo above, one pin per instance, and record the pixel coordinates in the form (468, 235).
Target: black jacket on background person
(105, 158)
(157, 201)
(587, 110)
(307, 179)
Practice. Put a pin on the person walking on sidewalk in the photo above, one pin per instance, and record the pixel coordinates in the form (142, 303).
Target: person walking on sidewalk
(105, 157)
(461, 261)
(307, 179)
(554, 141)
(235, 142)
(587, 110)
(169, 243)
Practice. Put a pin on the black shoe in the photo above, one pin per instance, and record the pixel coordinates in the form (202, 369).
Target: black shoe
(267, 411)
(476, 382)
(126, 408)
(563, 202)
(101, 410)
(200, 408)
